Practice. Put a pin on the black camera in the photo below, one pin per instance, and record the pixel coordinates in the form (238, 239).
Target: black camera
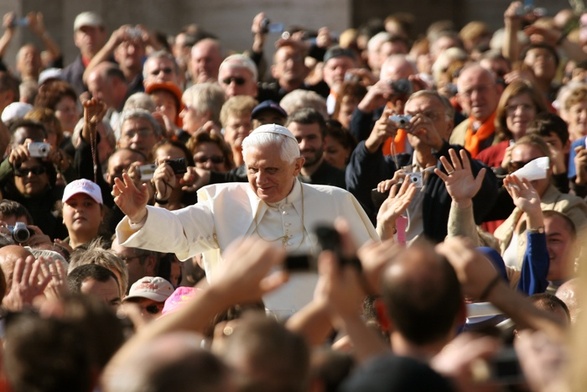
(401, 88)
(178, 165)
(20, 232)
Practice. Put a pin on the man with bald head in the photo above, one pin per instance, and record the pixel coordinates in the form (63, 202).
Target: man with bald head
(478, 95)
(107, 83)
(8, 256)
(423, 301)
(205, 61)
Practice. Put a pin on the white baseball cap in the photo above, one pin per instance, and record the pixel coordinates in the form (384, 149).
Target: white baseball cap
(15, 110)
(82, 186)
(87, 18)
(151, 287)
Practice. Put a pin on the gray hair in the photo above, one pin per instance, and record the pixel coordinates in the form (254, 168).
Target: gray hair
(302, 99)
(139, 113)
(289, 148)
(204, 97)
(140, 100)
(160, 54)
(240, 61)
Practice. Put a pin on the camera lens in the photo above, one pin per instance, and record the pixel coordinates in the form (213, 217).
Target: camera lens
(21, 234)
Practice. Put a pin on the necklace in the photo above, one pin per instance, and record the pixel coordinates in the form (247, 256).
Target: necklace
(286, 237)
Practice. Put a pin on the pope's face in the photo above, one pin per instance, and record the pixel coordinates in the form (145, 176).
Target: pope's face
(271, 177)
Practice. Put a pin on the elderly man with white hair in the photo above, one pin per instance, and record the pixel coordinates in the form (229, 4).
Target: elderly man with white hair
(274, 206)
(238, 75)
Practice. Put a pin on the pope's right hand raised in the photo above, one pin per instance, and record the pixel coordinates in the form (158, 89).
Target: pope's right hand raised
(131, 200)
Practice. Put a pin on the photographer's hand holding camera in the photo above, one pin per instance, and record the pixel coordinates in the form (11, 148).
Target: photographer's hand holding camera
(382, 130)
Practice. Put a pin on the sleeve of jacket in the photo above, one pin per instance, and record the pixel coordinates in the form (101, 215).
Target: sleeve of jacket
(361, 124)
(364, 172)
(535, 265)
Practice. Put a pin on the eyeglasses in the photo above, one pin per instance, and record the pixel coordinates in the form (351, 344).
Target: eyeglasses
(516, 165)
(126, 259)
(141, 132)
(37, 170)
(237, 80)
(214, 159)
(166, 71)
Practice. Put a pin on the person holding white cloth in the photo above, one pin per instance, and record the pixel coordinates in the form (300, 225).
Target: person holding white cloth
(274, 206)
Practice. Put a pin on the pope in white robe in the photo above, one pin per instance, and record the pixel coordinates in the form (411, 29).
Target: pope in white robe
(274, 205)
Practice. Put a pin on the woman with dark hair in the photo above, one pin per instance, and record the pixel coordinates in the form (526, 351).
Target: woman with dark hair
(210, 152)
(338, 144)
(172, 197)
(60, 97)
(517, 108)
(347, 99)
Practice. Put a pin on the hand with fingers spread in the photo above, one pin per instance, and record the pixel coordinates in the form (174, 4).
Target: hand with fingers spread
(131, 200)
(28, 282)
(459, 180)
(526, 199)
(393, 207)
(382, 130)
(57, 273)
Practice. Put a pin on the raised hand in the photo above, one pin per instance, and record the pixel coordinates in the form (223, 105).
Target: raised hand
(28, 282)
(395, 205)
(458, 179)
(131, 200)
(382, 130)
(525, 198)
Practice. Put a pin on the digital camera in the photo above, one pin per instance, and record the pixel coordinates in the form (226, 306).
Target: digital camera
(401, 120)
(20, 232)
(39, 149)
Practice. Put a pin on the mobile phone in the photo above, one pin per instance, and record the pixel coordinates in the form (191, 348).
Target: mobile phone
(328, 238)
(505, 368)
(300, 263)
(378, 197)
(178, 165)
(147, 171)
(39, 149)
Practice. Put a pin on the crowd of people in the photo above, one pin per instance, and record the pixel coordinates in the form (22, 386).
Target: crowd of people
(372, 211)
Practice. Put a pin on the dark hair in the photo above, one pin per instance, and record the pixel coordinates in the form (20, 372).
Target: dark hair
(53, 91)
(515, 89)
(189, 158)
(86, 271)
(45, 354)
(9, 83)
(10, 208)
(423, 308)
(542, 46)
(204, 137)
(546, 123)
(307, 116)
(26, 123)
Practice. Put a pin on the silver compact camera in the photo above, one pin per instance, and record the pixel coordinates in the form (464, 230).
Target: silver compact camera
(20, 232)
(416, 179)
(39, 149)
(401, 120)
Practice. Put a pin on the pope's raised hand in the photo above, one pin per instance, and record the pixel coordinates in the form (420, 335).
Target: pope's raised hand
(131, 200)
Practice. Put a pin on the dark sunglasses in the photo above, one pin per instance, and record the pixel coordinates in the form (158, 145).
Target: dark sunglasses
(153, 309)
(165, 70)
(516, 165)
(238, 81)
(214, 159)
(37, 170)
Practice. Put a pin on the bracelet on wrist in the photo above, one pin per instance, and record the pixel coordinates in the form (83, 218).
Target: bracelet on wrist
(489, 287)
(160, 201)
